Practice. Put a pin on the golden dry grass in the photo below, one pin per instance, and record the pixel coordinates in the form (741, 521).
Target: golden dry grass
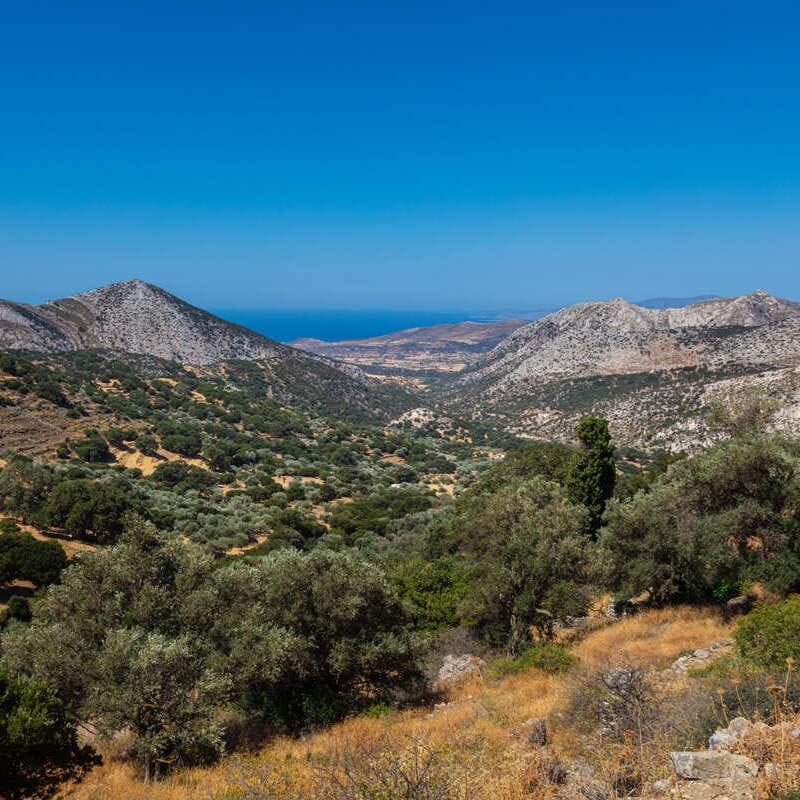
(134, 459)
(482, 728)
(652, 639)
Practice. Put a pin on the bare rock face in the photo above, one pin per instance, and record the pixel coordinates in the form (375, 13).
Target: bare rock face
(619, 337)
(133, 317)
(714, 774)
(713, 766)
(457, 669)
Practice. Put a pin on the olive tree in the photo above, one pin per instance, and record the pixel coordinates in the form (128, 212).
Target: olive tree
(528, 544)
(710, 523)
(148, 636)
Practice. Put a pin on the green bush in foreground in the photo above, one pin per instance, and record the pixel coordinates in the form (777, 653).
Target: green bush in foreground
(550, 658)
(771, 633)
(36, 734)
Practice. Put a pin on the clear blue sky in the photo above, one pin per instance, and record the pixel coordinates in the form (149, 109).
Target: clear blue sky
(407, 155)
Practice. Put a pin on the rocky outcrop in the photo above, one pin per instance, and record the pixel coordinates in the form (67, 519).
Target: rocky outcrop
(713, 774)
(701, 657)
(723, 771)
(455, 670)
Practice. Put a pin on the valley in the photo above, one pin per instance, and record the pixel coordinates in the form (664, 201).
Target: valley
(254, 572)
(418, 355)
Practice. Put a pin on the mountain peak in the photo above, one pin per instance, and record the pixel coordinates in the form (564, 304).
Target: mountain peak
(131, 316)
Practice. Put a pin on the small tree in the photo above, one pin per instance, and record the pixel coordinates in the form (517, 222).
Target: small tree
(160, 689)
(592, 471)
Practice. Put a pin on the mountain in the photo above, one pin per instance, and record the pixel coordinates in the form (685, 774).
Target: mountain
(619, 337)
(134, 318)
(648, 369)
(419, 351)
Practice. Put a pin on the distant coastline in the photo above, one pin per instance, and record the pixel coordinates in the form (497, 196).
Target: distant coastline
(336, 325)
(329, 325)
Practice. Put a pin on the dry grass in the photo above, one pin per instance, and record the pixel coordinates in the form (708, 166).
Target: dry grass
(69, 546)
(287, 480)
(134, 459)
(653, 639)
(480, 733)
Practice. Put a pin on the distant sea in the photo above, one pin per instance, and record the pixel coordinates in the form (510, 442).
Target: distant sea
(285, 325)
(333, 326)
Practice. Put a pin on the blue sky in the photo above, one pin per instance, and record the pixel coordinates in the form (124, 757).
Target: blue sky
(413, 155)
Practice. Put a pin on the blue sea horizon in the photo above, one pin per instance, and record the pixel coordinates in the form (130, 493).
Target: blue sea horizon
(333, 325)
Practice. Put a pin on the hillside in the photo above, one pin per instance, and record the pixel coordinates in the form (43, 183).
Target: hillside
(434, 349)
(138, 319)
(650, 371)
(133, 317)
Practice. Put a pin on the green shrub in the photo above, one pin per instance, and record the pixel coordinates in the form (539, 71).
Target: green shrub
(8, 526)
(771, 633)
(433, 589)
(147, 445)
(93, 448)
(25, 558)
(36, 735)
(19, 608)
(725, 517)
(546, 657)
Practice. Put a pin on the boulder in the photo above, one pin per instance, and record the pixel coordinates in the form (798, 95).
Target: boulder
(738, 605)
(718, 765)
(724, 738)
(457, 669)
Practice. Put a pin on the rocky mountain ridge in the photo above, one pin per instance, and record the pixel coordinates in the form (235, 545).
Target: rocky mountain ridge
(618, 337)
(134, 317)
(654, 373)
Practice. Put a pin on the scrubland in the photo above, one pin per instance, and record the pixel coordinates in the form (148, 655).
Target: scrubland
(474, 745)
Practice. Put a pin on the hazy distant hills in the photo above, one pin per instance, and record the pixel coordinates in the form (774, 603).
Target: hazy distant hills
(444, 348)
(674, 302)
